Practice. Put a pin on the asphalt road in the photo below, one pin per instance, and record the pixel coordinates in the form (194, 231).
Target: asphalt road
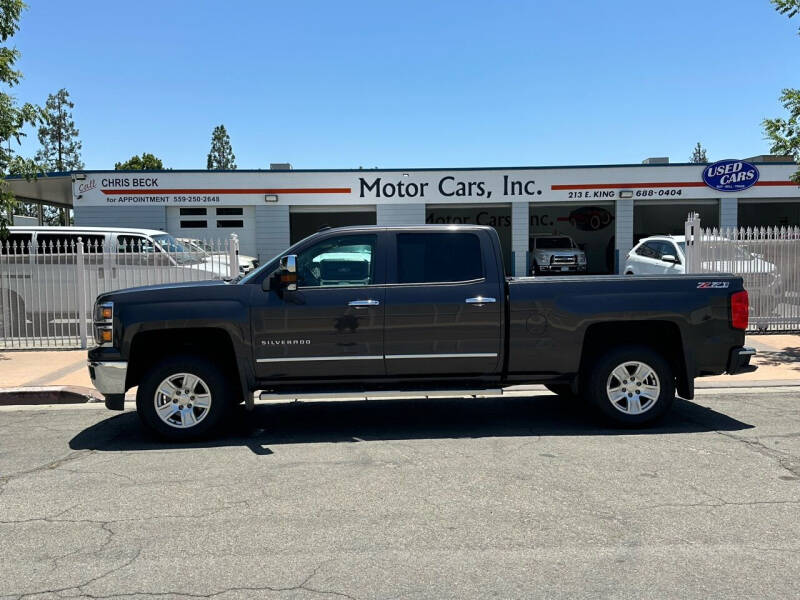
(501, 498)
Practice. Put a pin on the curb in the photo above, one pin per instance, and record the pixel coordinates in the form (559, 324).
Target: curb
(750, 383)
(53, 394)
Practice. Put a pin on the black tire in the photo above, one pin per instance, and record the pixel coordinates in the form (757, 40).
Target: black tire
(221, 387)
(562, 389)
(624, 412)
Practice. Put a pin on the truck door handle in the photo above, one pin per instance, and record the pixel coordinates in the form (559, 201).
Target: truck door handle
(363, 303)
(480, 300)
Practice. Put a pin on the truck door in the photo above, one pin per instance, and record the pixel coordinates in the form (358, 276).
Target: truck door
(443, 305)
(332, 325)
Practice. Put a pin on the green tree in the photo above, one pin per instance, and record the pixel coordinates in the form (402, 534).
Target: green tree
(145, 162)
(784, 132)
(61, 148)
(13, 117)
(698, 154)
(221, 155)
(790, 8)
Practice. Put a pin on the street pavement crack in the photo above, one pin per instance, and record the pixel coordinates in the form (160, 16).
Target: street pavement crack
(53, 464)
(785, 460)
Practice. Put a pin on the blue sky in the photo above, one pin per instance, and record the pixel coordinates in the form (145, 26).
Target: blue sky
(405, 84)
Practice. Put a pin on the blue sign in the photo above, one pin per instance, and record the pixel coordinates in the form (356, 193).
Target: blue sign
(730, 175)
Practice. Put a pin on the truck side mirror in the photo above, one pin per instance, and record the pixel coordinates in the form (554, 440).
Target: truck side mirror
(288, 272)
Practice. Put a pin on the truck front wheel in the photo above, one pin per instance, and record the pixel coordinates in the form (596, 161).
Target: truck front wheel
(631, 386)
(184, 397)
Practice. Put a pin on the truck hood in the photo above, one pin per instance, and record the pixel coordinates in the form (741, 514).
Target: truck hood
(162, 289)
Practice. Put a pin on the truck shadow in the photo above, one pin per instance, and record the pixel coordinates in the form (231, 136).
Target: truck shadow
(271, 425)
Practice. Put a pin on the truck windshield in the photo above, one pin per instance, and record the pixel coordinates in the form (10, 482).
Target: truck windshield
(555, 243)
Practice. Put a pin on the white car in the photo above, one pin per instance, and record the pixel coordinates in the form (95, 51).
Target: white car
(666, 254)
(657, 255)
(39, 280)
(217, 256)
(556, 254)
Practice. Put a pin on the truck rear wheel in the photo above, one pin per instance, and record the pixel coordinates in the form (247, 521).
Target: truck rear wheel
(631, 386)
(184, 397)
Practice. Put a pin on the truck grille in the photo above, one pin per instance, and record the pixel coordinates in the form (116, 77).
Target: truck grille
(563, 260)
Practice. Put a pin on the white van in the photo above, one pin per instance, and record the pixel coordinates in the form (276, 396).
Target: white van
(40, 284)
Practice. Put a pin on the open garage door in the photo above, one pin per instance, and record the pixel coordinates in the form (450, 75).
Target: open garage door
(660, 218)
(215, 223)
(306, 220)
(768, 213)
(590, 226)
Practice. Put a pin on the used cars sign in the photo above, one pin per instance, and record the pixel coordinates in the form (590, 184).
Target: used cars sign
(730, 175)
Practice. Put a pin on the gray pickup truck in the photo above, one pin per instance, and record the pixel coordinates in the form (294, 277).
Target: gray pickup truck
(417, 310)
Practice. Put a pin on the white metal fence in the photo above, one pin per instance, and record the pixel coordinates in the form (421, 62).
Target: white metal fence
(767, 259)
(48, 287)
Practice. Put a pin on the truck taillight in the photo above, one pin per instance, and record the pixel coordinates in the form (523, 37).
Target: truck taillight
(740, 310)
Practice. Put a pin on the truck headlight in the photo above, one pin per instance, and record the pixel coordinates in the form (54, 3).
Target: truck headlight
(103, 323)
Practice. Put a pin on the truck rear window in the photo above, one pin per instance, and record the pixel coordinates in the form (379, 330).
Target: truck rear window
(438, 257)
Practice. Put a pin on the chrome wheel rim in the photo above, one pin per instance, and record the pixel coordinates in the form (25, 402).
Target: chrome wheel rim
(633, 387)
(182, 400)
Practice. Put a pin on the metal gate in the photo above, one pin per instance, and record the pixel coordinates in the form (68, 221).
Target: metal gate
(47, 290)
(767, 259)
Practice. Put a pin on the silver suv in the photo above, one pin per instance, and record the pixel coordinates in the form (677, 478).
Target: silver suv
(557, 254)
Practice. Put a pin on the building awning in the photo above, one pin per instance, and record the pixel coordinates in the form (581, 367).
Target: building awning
(52, 188)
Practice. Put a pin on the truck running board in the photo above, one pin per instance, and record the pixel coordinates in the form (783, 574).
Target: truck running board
(379, 395)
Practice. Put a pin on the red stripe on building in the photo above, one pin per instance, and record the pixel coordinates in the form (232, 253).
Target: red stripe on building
(153, 192)
(663, 184)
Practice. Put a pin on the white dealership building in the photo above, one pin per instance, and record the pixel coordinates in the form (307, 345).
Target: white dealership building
(603, 208)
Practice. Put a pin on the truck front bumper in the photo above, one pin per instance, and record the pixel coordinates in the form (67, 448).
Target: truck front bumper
(739, 360)
(109, 379)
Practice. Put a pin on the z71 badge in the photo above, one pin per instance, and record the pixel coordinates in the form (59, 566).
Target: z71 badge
(712, 284)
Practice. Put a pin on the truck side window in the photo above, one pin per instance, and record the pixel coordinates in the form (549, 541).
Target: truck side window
(134, 243)
(438, 257)
(339, 261)
(139, 251)
(61, 248)
(16, 244)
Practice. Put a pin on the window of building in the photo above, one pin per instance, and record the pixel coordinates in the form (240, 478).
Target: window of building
(438, 257)
(194, 224)
(193, 212)
(230, 223)
(230, 211)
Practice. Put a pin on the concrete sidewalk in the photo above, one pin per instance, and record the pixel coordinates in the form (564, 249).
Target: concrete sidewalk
(778, 360)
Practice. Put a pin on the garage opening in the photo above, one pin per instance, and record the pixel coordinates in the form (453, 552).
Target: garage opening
(657, 218)
(590, 228)
(307, 220)
(495, 215)
(762, 213)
